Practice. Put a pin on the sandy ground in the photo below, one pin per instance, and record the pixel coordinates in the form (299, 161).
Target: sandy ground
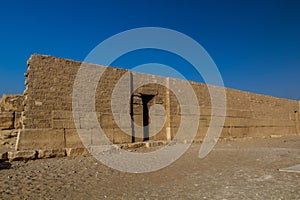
(240, 169)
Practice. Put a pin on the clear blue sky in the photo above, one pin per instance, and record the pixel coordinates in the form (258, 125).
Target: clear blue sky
(255, 44)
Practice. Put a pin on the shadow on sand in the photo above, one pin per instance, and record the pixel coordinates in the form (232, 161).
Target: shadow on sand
(4, 165)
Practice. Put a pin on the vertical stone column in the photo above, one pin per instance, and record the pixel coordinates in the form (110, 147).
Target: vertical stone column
(168, 120)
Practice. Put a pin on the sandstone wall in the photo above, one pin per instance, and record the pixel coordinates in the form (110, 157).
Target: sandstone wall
(48, 120)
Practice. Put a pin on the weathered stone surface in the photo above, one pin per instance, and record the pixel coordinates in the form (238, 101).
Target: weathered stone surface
(12, 103)
(72, 139)
(155, 143)
(18, 120)
(22, 155)
(6, 120)
(48, 121)
(120, 137)
(77, 151)
(11, 108)
(136, 145)
(8, 139)
(33, 139)
(51, 153)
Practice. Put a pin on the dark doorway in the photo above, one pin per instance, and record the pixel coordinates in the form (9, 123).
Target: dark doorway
(146, 99)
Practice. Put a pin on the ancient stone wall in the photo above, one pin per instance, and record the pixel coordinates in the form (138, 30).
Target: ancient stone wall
(48, 119)
(11, 108)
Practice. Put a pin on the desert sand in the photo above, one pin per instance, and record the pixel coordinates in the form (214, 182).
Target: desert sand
(236, 169)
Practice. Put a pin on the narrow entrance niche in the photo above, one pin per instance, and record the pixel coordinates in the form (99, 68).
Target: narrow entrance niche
(139, 111)
(146, 99)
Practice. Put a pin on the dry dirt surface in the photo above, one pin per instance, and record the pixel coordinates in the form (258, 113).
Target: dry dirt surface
(239, 169)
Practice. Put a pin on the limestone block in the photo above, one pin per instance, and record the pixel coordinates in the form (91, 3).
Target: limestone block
(205, 111)
(107, 121)
(239, 113)
(218, 121)
(32, 139)
(257, 122)
(121, 137)
(261, 131)
(72, 139)
(6, 120)
(109, 133)
(135, 145)
(227, 121)
(283, 122)
(22, 155)
(226, 133)
(201, 133)
(159, 136)
(175, 120)
(189, 110)
(62, 120)
(51, 153)
(77, 152)
(235, 132)
(237, 122)
(284, 130)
